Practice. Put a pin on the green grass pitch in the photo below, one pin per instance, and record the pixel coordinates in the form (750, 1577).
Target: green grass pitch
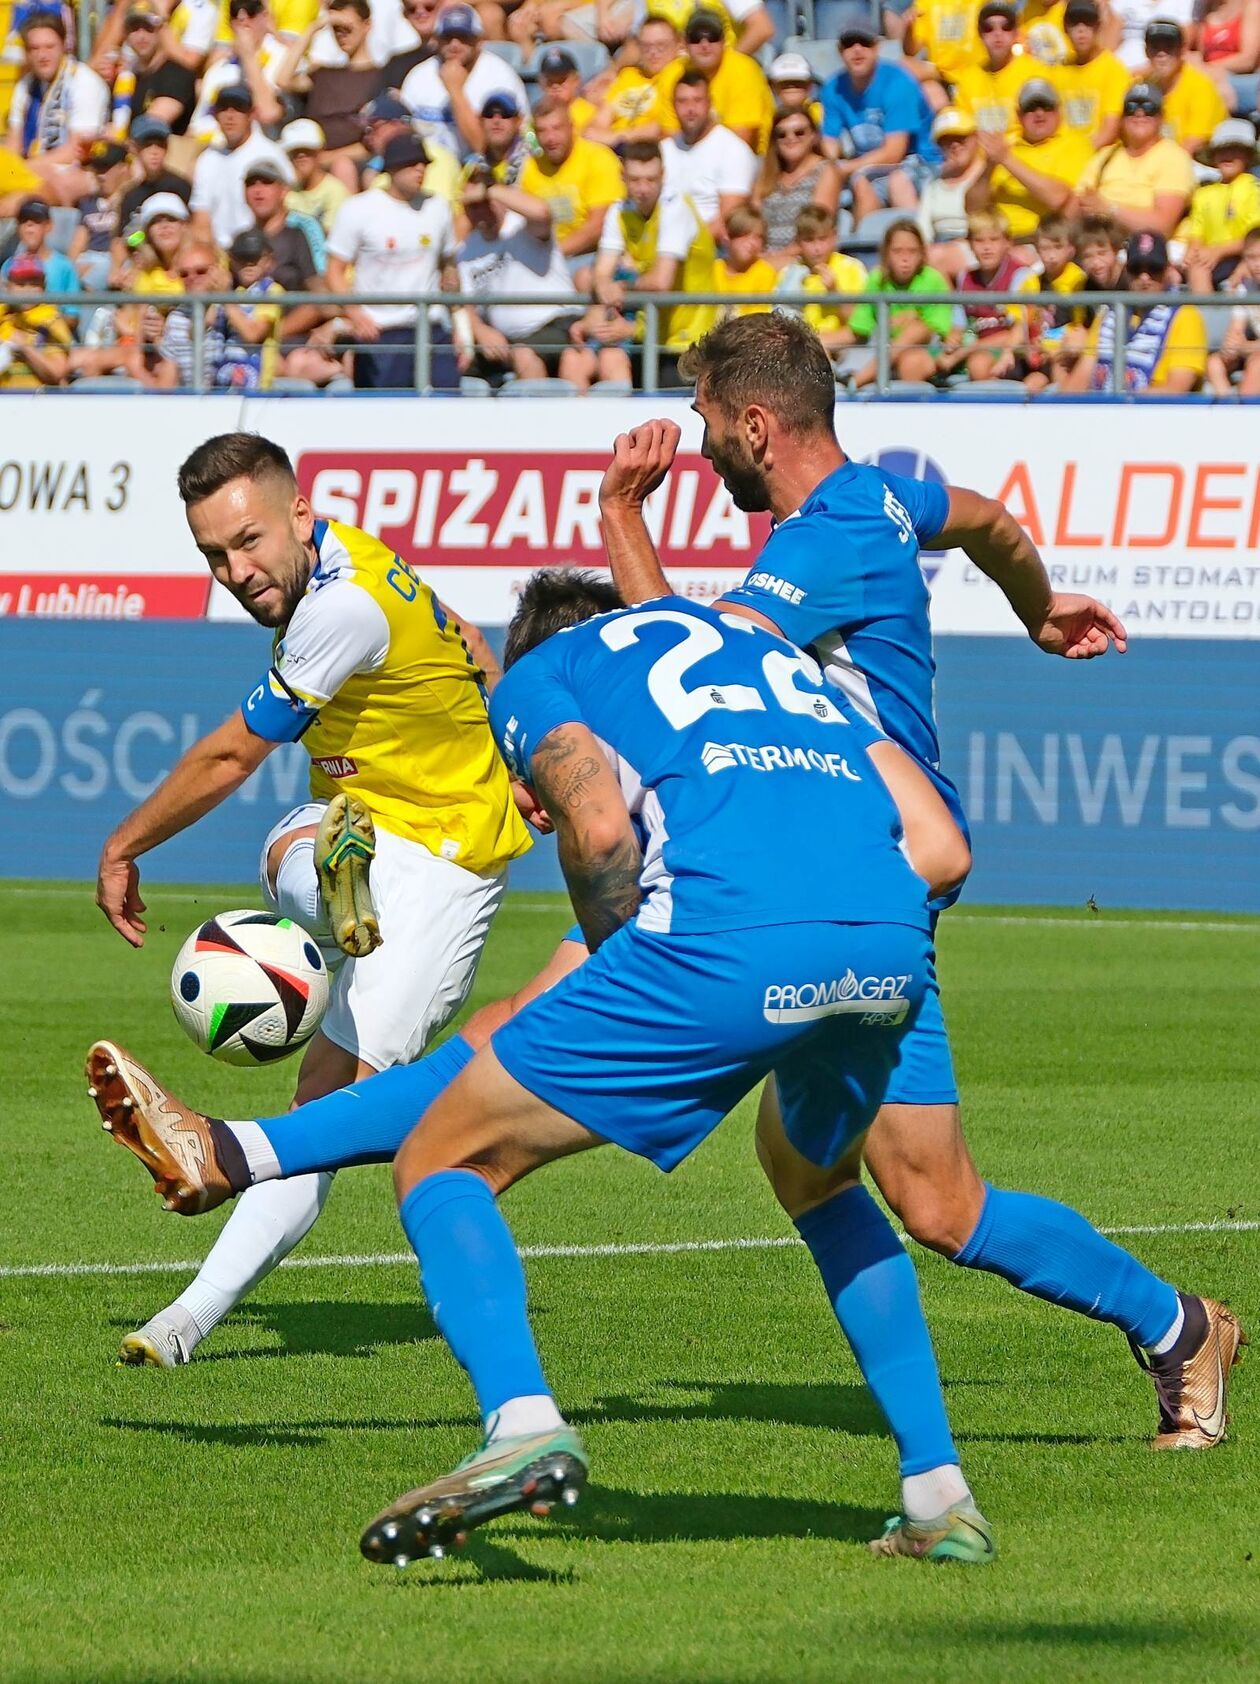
(203, 1524)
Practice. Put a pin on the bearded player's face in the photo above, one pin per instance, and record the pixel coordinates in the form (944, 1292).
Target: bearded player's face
(725, 445)
(254, 534)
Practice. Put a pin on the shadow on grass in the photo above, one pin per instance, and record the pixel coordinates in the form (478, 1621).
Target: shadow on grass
(321, 1328)
(267, 1435)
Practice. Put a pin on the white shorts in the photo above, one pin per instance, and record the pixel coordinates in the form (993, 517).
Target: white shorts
(434, 919)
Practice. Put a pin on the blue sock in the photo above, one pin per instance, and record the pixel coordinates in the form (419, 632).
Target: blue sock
(873, 1290)
(367, 1122)
(475, 1285)
(1044, 1248)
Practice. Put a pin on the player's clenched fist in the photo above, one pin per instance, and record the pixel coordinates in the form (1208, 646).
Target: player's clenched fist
(641, 459)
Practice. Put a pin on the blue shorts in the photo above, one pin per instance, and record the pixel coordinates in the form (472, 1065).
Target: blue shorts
(656, 1038)
(924, 1071)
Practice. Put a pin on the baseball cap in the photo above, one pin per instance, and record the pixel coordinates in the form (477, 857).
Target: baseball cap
(1234, 131)
(162, 204)
(24, 267)
(1146, 251)
(1037, 91)
(385, 108)
(458, 20)
(1163, 33)
(998, 9)
(791, 67)
(143, 16)
(951, 121)
(235, 97)
(853, 33)
(403, 151)
(105, 154)
(703, 22)
(556, 62)
(249, 246)
(1144, 96)
(303, 135)
(34, 210)
(265, 169)
(501, 105)
(145, 130)
(1081, 11)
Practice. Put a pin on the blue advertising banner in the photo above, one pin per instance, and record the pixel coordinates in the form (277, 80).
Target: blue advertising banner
(1133, 780)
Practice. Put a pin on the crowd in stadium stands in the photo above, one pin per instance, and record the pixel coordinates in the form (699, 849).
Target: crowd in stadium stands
(522, 152)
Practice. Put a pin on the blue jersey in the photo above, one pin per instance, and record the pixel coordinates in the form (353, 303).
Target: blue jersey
(752, 790)
(841, 577)
(891, 103)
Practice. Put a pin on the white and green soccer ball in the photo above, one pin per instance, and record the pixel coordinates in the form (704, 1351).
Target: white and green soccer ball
(249, 987)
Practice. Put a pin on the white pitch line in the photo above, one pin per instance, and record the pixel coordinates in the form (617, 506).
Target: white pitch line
(644, 1248)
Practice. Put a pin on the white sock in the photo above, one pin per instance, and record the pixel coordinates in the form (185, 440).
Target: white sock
(924, 1496)
(1171, 1337)
(265, 1225)
(519, 1415)
(297, 896)
(261, 1161)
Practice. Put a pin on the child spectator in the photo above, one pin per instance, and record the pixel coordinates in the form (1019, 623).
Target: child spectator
(745, 268)
(318, 193)
(1240, 348)
(35, 339)
(91, 243)
(153, 246)
(986, 341)
(824, 270)
(1166, 347)
(915, 330)
(1100, 243)
(34, 221)
(247, 360)
(1055, 334)
(1222, 211)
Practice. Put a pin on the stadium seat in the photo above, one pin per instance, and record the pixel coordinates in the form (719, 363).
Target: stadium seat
(910, 389)
(870, 231)
(891, 51)
(508, 51)
(1005, 390)
(472, 387)
(591, 57)
(115, 383)
(833, 16)
(539, 389)
(612, 389)
(823, 57)
(288, 385)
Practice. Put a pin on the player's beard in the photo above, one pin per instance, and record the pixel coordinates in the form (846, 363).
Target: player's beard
(290, 586)
(741, 476)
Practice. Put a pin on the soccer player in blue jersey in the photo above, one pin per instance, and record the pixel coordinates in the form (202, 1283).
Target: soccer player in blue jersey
(840, 576)
(653, 737)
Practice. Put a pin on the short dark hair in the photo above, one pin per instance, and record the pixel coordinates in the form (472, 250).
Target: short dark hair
(1056, 226)
(1250, 238)
(692, 79)
(773, 359)
(230, 456)
(643, 151)
(44, 20)
(1102, 230)
(554, 599)
(361, 7)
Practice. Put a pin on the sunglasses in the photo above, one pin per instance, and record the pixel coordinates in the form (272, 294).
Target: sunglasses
(997, 26)
(801, 131)
(1141, 108)
(193, 274)
(708, 39)
(1146, 266)
(848, 40)
(1039, 105)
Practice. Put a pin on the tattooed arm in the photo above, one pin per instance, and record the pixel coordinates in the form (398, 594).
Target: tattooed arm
(599, 852)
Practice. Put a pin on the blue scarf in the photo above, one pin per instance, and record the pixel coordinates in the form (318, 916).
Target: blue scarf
(1147, 336)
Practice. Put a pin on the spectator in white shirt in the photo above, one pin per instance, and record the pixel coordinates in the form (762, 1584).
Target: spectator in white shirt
(704, 160)
(511, 249)
(218, 193)
(256, 58)
(398, 240)
(1124, 32)
(58, 107)
(446, 93)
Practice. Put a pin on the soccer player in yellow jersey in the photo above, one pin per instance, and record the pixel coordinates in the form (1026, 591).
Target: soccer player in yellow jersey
(988, 92)
(375, 678)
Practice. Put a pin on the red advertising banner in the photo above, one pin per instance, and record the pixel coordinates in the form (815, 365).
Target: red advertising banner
(104, 596)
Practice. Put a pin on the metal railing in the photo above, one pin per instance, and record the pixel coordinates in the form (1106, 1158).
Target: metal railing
(649, 305)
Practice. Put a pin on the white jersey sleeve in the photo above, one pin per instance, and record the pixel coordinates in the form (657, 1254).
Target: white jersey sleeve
(613, 235)
(338, 630)
(677, 229)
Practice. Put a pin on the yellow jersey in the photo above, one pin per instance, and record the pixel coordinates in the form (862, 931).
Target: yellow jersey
(1192, 106)
(378, 683)
(324, 201)
(1045, 325)
(41, 325)
(1135, 183)
(634, 98)
(946, 30)
(989, 97)
(588, 179)
(760, 276)
(849, 275)
(742, 98)
(678, 12)
(1222, 212)
(677, 229)
(1063, 157)
(1090, 92)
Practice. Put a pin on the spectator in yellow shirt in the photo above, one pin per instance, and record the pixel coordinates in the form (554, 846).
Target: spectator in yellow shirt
(318, 192)
(639, 103)
(747, 24)
(1222, 212)
(738, 89)
(1143, 181)
(558, 77)
(578, 178)
(1091, 81)
(1036, 174)
(1055, 333)
(824, 270)
(1166, 349)
(35, 339)
(1192, 102)
(988, 92)
(941, 41)
(745, 268)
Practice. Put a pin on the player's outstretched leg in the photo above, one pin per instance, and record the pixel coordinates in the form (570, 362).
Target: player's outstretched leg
(345, 846)
(176, 1144)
